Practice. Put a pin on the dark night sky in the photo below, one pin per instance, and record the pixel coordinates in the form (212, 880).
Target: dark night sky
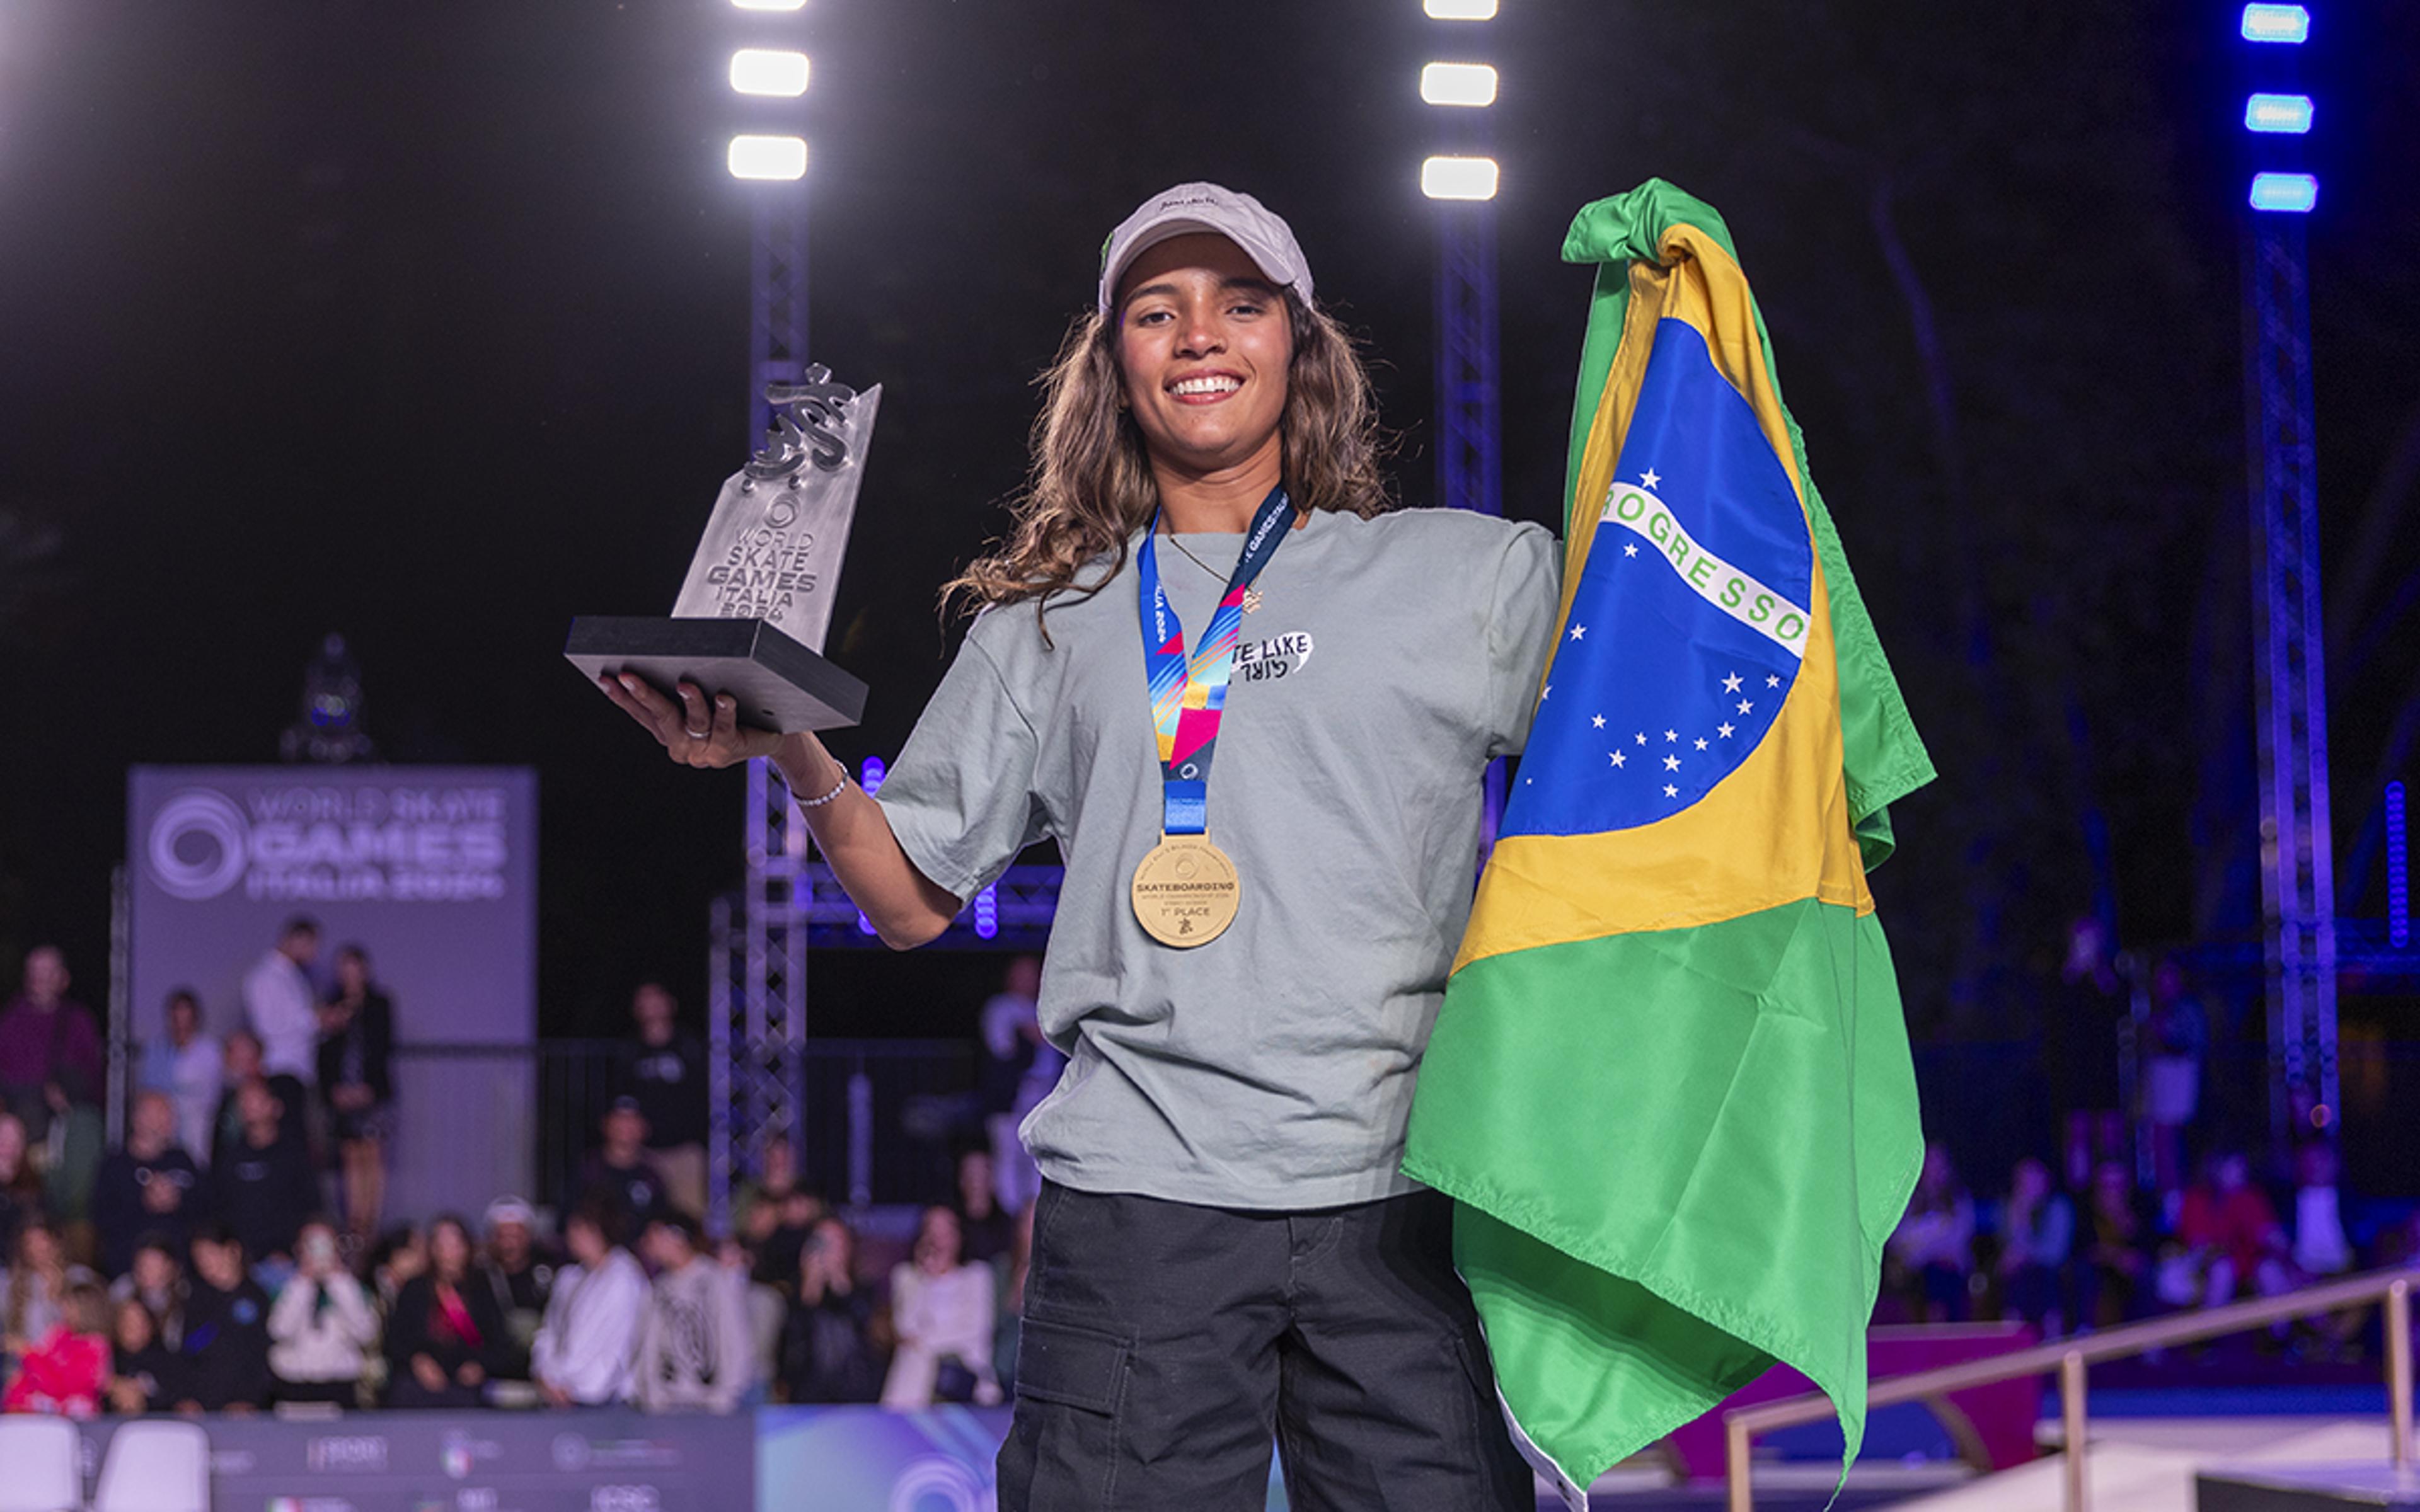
(427, 323)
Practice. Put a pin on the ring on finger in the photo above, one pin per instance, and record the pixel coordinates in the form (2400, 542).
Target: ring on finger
(697, 734)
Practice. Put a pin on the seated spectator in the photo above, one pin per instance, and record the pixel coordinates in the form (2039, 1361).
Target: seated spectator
(67, 1371)
(988, 1228)
(447, 1335)
(40, 1279)
(401, 1254)
(2319, 1247)
(148, 1185)
(225, 1354)
(756, 1206)
(144, 1374)
(584, 1350)
(2319, 1243)
(1932, 1249)
(186, 1064)
(519, 1273)
(779, 1255)
(2230, 1236)
(21, 1185)
(2117, 1236)
(262, 1185)
(2037, 1229)
(321, 1327)
(621, 1173)
(941, 1309)
(243, 1052)
(356, 1038)
(695, 1350)
(157, 1280)
(827, 1353)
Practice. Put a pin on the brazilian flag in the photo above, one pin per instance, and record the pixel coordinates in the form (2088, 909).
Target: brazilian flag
(1671, 1087)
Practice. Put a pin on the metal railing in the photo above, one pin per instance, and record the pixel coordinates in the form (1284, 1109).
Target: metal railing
(2070, 1357)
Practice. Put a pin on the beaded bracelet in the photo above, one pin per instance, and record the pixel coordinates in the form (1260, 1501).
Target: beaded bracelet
(838, 788)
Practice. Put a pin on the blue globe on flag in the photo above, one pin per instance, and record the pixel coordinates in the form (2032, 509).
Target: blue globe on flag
(1691, 617)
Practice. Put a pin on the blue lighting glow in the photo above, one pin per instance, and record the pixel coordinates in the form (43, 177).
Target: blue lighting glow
(869, 776)
(2398, 871)
(988, 912)
(2292, 191)
(2289, 114)
(2276, 23)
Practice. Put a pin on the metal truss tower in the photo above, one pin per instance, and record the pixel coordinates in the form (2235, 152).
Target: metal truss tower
(1468, 473)
(2297, 880)
(758, 992)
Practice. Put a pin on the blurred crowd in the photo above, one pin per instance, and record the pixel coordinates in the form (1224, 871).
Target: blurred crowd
(230, 1255)
(2072, 1257)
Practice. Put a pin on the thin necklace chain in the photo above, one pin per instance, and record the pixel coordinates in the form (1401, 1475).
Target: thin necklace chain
(1170, 537)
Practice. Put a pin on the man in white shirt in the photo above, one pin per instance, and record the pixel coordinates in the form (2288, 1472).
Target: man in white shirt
(282, 1003)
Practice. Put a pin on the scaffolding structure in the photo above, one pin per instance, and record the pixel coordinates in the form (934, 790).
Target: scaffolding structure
(2297, 876)
(757, 974)
(1469, 472)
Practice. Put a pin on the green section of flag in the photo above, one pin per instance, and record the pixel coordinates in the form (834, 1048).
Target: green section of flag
(1679, 1154)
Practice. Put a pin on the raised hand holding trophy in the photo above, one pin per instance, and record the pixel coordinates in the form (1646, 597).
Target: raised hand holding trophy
(753, 612)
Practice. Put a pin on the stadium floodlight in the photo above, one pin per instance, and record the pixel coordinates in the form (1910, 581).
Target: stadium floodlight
(2276, 23)
(1458, 178)
(2293, 193)
(769, 5)
(768, 157)
(2289, 113)
(1460, 9)
(769, 70)
(1458, 83)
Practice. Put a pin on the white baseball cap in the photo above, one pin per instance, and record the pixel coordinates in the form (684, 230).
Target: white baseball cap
(1192, 207)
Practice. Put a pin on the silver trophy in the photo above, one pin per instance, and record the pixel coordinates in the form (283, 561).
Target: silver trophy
(751, 614)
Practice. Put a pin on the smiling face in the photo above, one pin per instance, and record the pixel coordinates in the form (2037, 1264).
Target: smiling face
(1204, 342)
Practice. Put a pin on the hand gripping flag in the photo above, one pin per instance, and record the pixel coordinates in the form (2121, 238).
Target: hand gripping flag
(1671, 1087)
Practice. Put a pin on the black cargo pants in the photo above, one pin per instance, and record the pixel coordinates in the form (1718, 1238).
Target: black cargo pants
(1166, 1345)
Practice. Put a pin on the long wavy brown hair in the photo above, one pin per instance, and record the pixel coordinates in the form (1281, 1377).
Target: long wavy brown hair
(1091, 487)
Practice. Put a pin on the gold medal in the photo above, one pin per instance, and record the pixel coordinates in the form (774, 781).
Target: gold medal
(1186, 891)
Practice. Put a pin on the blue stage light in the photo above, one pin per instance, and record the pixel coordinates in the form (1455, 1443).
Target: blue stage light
(2290, 192)
(2398, 871)
(988, 912)
(2289, 113)
(2276, 23)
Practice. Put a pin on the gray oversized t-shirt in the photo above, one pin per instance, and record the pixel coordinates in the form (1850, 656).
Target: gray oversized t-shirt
(1272, 1067)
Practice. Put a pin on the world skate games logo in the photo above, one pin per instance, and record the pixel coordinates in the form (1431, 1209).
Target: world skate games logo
(304, 842)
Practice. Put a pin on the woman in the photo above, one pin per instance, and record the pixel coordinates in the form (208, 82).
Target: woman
(1247, 963)
(446, 1337)
(157, 1280)
(186, 1064)
(827, 1352)
(322, 1329)
(145, 1373)
(941, 1309)
(40, 1279)
(584, 1350)
(356, 1038)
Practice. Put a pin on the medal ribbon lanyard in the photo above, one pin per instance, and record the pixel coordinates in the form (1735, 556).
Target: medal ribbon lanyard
(1188, 697)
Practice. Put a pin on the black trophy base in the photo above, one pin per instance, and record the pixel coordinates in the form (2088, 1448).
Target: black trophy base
(779, 683)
